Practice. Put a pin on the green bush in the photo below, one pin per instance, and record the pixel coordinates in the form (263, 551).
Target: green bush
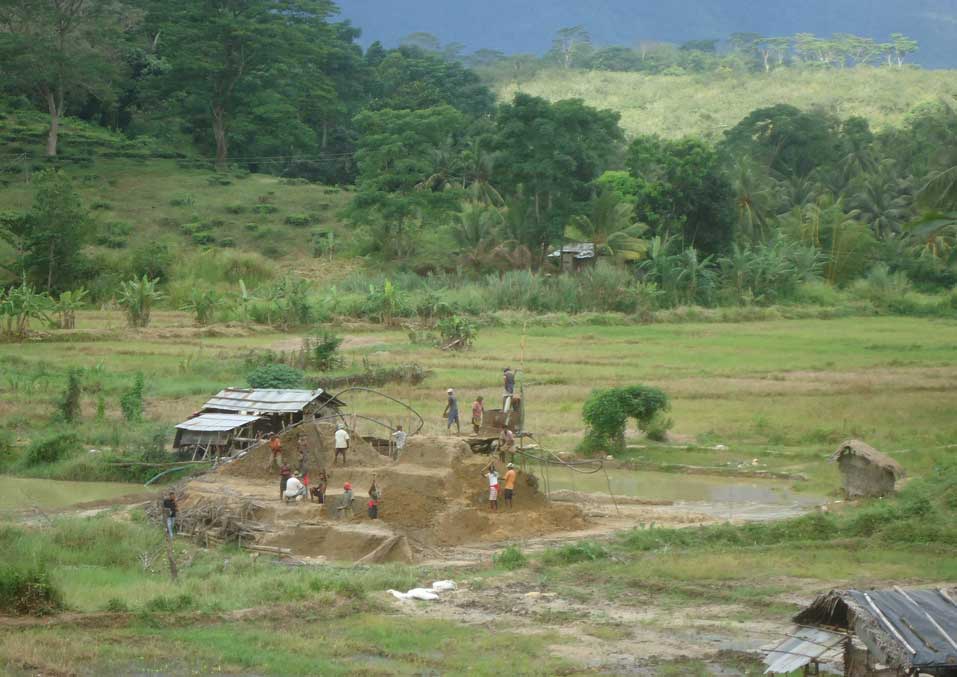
(114, 234)
(607, 412)
(116, 605)
(586, 551)
(235, 209)
(8, 453)
(131, 402)
(299, 220)
(275, 376)
(70, 404)
(657, 428)
(458, 333)
(510, 558)
(30, 592)
(51, 449)
(324, 351)
(164, 604)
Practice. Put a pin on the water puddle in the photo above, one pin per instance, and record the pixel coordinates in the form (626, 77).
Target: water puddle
(723, 497)
(18, 493)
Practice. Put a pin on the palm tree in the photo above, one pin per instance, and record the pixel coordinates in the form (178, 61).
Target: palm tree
(940, 191)
(754, 197)
(475, 233)
(935, 235)
(446, 168)
(611, 228)
(478, 168)
(883, 201)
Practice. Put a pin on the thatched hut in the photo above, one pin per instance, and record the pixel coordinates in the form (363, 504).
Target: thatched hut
(866, 472)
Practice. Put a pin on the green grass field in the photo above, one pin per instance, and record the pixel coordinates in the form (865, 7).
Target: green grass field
(783, 392)
(707, 105)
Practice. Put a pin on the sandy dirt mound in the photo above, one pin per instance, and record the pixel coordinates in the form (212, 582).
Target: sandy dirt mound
(321, 451)
(443, 452)
(343, 542)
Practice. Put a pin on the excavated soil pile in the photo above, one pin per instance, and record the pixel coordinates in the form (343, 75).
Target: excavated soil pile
(434, 495)
(321, 451)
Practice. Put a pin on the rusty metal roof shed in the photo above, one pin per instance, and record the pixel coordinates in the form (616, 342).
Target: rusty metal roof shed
(263, 401)
(217, 422)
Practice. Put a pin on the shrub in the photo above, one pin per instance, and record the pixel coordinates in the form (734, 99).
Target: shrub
(657, 428)
(203, 303)
(70, 404)
(164, 604)
(114, 234)
(116, 605)
(235, 209)
(184, 200)
(8, 455)
(299, 220)
(275, 376)
(28, 592)
(324, 351)
(607, 412)
(137, 298)
(458, 333)
(131, 402)
(51, 449)
(152, 261)
(586, 551)
(510, 558)
(265, 208)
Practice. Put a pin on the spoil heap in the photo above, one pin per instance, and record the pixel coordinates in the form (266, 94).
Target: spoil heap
(433, 496)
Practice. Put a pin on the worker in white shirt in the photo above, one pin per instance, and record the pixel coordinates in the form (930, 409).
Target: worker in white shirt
(342, 444)
(295, 488)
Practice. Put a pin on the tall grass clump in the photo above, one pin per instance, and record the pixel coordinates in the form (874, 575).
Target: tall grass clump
(28, 591)
(510, 559)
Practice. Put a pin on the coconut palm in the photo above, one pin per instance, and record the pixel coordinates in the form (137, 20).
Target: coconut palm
(475, 232)
(755, 196)
(478, 167)
(883, 201)
(610, 226)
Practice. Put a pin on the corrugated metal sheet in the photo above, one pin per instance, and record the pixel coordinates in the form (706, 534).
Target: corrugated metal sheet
(581, 250)
(216, 422)
(267, 401)
(922, 622)
(803, 646)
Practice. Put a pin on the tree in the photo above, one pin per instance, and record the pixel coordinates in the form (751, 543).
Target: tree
(551, 153)
(56, 230)
(396, 158)
(422, 40)
(58, 50)
(567, 43)
(903, 47)
(786, 139)
(273, 376)
(223, 52)
(611, 227)
(607, 412)
(754, 196)
(883, 202)
(682, 190)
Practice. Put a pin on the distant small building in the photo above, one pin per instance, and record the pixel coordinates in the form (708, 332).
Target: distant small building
(877, 633)
(215, 434)
(279, 408)
(866, 472)
(575, 256)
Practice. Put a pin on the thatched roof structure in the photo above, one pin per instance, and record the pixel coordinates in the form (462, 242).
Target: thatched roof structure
(872, 455)
(903, 629)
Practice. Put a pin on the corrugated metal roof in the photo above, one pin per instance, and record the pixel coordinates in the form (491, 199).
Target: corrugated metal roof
(216, 422)
(904, 629)
(800, 648)
(581, 250)
(266, 401)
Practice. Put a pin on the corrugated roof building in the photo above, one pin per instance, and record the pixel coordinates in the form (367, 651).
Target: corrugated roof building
(887, 632)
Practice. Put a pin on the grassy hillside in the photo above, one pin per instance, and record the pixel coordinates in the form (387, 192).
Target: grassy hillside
(706, 105)
(143, 195)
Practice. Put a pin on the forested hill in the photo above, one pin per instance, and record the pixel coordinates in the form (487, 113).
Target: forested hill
(526, 26)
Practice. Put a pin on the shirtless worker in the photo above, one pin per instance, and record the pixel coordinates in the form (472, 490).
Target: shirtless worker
(275, 451)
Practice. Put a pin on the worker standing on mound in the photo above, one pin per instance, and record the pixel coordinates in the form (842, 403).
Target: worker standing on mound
(169, 508)
(375, 494)
(508, 383)
(275, 452)
(478, 414)
(506, 444)
(399, 437)
(345, 502)
(342, 444)
(452, 413)
(319, 491)
(510, 476)
(284, 474)
(492, 476)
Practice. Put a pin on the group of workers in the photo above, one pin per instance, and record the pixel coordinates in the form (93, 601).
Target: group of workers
(295, 486)
(451, 412)
(494, 488)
